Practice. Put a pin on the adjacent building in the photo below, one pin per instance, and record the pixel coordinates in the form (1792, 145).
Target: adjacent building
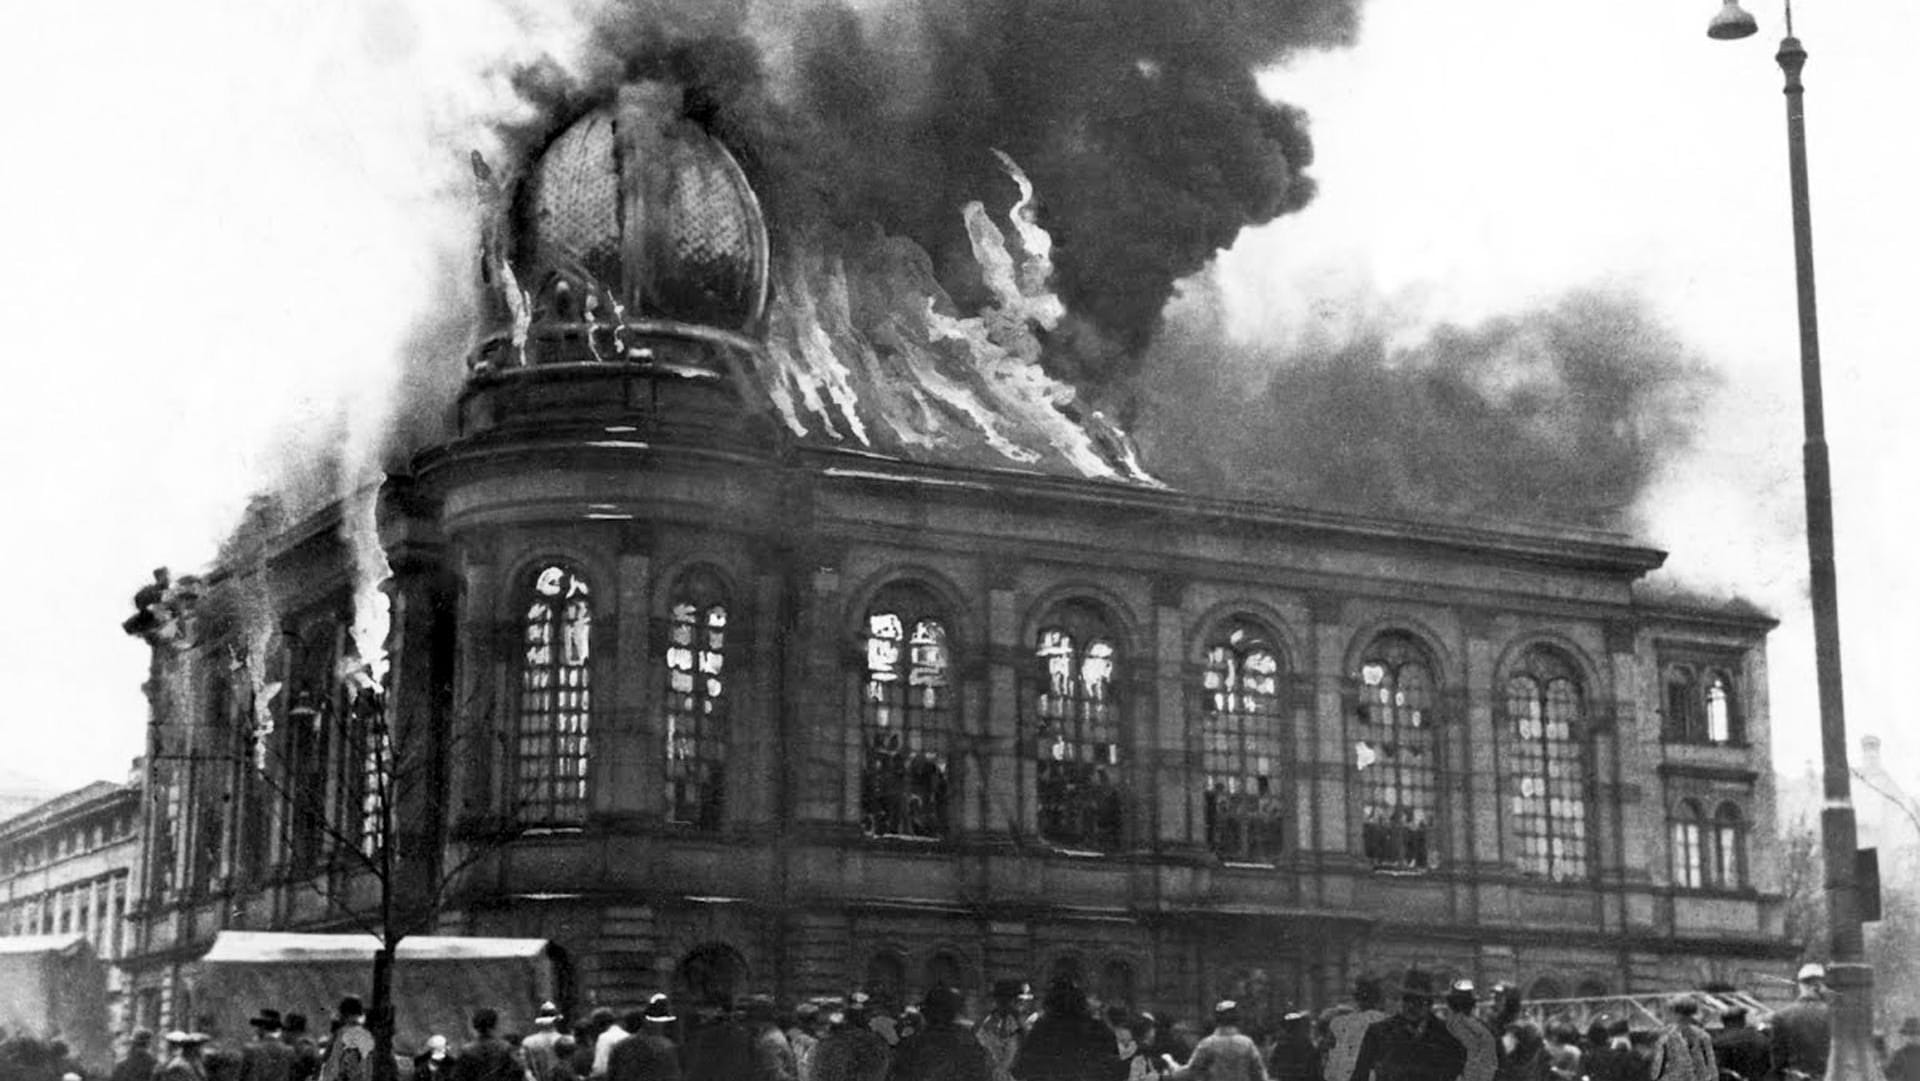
(717, 708)
(71, 866)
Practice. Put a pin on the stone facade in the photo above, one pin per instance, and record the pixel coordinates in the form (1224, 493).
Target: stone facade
(647, 488)
(71, 867)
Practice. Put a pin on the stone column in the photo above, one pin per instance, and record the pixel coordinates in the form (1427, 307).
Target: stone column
(1328, 754)
(629, 748)
(483, 702)
(1008, 770)
(1173, 800)
(1475, 760)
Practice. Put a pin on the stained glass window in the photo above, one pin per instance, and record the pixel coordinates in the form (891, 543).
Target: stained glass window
(1240, 737)
(696, 701)
(1689, 860)
(1076, 730)
(1549, 768)
(555, 703)
(1729, 847)
(1394, 754)
(906, 717)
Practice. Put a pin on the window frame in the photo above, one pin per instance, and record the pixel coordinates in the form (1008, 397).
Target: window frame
(1690, 719)
(696, 730)
(1236, 726)
(928, 730)
(1398, 846)
(539, 799)
(1545, 666)
(1088, 723)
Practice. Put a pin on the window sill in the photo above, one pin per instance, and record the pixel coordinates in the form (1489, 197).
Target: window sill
(1403, 872)
(1249, 865)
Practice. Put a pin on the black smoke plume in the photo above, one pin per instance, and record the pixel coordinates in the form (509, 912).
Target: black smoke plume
(1140, 122)
(1562, 414)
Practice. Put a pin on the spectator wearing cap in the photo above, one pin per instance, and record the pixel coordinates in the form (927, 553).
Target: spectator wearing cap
(350, 1055)
(1683, 1052)
(940, 1050)
(1348, 1029)
(267, 1057)
(139, 1063)
(607, 1034)
(851, 1051)
(647, 1055)
(1475, 1038)
(540, 1047)
(486, 1057)
(185, 1060)
(1067, 1043)
(435, 1063)
(1615, 1059)
(1739, 1048)
(1001, 1031)
(1295, 1056)
(1800, 1032)
(1412, 1045)
(1225, 1054)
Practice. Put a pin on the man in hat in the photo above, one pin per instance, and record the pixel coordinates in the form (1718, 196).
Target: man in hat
(1294, 1057)
(306, 1054)
(1001, 1030)
(1225, 1054)
(139, 1063)
(941, 1050)
(851, 1051)
(1412, 1045)
(772, 1055)
(1481, 1046)
(1800, 1032)
(647, 1055)
(1349, 1028)
(185, 1062)
(804, 1037)
(267, 1057)
(350, 1056)
(610, 1034)
(1683, 1052)
(1905, 1063)
(1738, 1048)
(538, 1048)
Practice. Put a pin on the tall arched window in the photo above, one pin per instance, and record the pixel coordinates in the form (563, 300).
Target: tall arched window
(1076, 727)
(1683, 721)
(1729, 847)
(1395, 753)
(906, 720)
(1720, 718)
(1240, 743)
(555, 703)
(696, 700)
(1689, 846)
(1549, 767)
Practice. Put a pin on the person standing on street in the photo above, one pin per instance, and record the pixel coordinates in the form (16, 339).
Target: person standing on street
(1295, 1057)
(1225, 1054)
(1739, 1049)
(1067, 1043)
(350, 1055)
(940, 1050)
(1904, 1064)
(487, 1057)
(647, 1055)
(1001, 1031)
(1412, 1045)
(267, 1057)
(186, 1063)
(772, 1054)
(1348, 1029)
(1471, 1033)
(1800, 1032)
(139, 1063)
(1616, 1060)
(539, 1049)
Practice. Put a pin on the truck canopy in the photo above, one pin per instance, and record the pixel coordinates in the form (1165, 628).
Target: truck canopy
(55, 987)
(437, 981)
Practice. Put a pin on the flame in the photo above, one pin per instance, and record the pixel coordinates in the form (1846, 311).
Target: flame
(865, 345)
(372, 608)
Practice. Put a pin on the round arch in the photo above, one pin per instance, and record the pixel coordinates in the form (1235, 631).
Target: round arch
(1279, 632)
(962, 626)
(1124, 621)
(712, 973)
(1446, 671)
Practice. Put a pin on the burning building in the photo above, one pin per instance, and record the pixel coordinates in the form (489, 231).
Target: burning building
(768, 622)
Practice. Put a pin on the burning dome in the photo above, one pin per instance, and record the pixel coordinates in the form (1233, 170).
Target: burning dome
(631, 237)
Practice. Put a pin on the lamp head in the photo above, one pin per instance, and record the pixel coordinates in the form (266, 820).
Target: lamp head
(1732, 23)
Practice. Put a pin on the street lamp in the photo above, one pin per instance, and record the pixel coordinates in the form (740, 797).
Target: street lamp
(1851, 1057)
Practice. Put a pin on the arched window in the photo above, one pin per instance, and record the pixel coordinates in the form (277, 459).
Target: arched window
(1240, 748)
(1729, 847)
(696, 700)
(887, 979)
(555, 703)
(1076, 728)
(906, 720)
(1689, 846)
(1549, 767)
(947, 969)
(709, 974)
(1117, 984)
(1721, 724)
(1592, 987)
(1395, 753)
(1545, 989)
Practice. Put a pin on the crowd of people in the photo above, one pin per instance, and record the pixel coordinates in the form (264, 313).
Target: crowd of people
(1430, 1035)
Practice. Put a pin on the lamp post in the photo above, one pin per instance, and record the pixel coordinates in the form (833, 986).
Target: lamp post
(1851, 1057)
